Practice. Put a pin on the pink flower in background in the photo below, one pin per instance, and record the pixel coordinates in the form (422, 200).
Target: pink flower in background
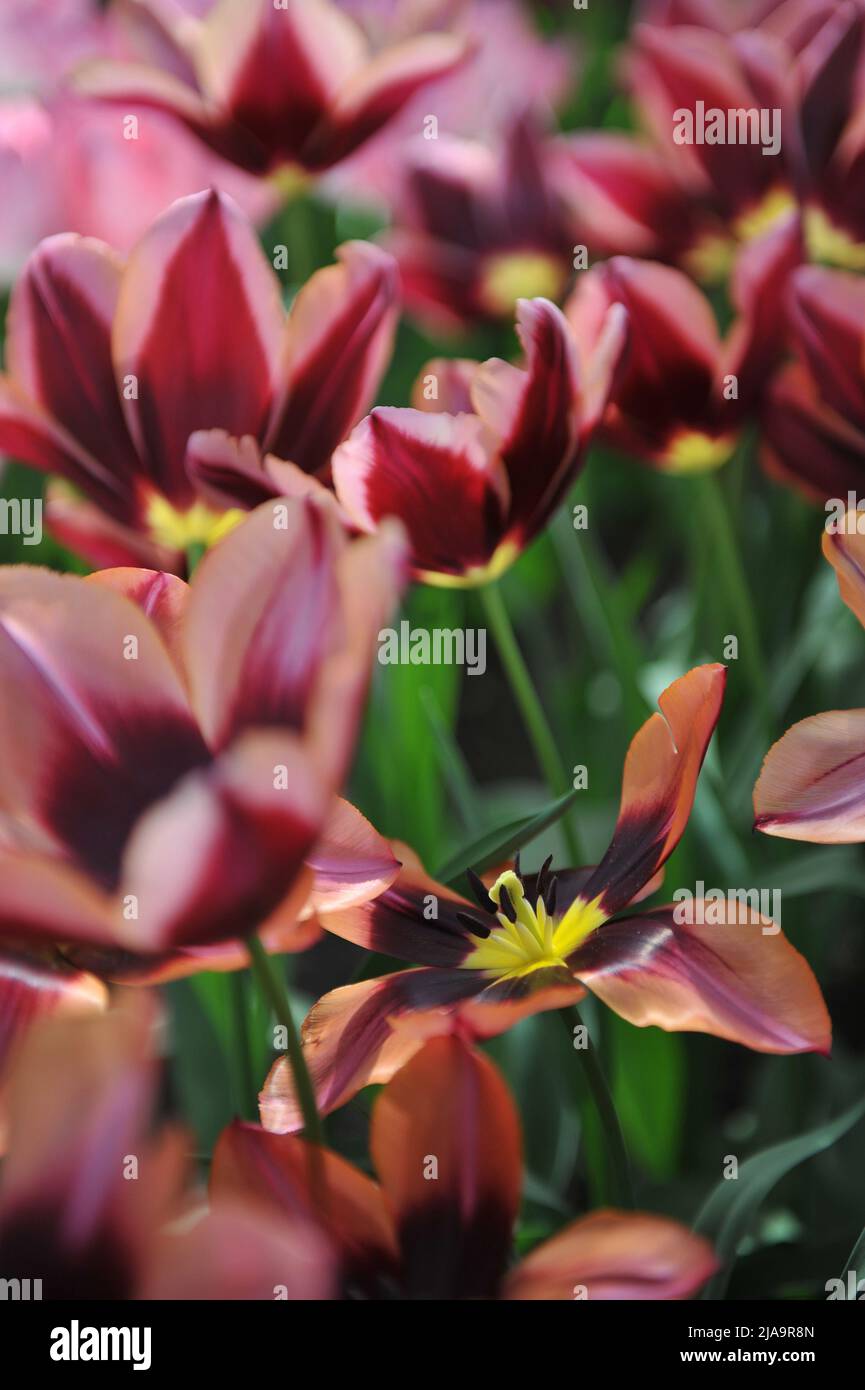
(477, 228)
(67, 164)
(685, 391)
(270, 88)
(475, 102)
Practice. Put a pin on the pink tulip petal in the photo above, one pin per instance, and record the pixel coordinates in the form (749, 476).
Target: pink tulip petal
(94, 720)
(615, 1254)
(735, 976)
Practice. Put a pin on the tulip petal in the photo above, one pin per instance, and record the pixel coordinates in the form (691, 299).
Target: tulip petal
(46, 899)
(90, 533)
(807, 444)
(845, 551)
(68, 1216)
(277, 1172)
(219, 856)
(235, 1253)
(414, 920)
(455, 1233)
(28, 433)
(351, 862)
(368, 101)
(340, 334)
(161, 597)
(615, 1254)
(537, 413)
(759, 335)
(34, 983)
(660, 778)
(94, 721)
(827, 309)
(263, 614)
(198, 329)
(59, 353)
(349, 1041)
(811, 783)
(437, 473)
(730, 972)
(244, 55)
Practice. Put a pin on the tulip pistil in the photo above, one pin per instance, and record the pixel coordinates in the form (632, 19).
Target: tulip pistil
(531, 937)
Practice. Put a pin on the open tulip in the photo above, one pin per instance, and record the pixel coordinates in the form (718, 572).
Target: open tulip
(539, 941)
(274, 85)
(477, 468)
(478, 228)
(810, 787)
(171, 753)
(814, 413)
(75, 1216)
(112, 367)
(685, 392)
(451, 1238)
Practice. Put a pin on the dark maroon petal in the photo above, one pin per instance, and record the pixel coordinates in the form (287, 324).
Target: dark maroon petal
(340, 333)
(537, 413)
(198, 328)
(437, 474)
(415, 920)
(59, 352)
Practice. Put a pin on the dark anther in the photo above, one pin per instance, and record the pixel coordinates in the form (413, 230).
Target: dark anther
(550, 895)
(517, 870)
(506, 905)
(474, 924)
(478, 887)
(542, 875)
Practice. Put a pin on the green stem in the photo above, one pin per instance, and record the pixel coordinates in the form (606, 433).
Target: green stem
(526, 696)
(609, 1170)
(734, 584)
(273, 989)
(194, 553)
(246, 1087)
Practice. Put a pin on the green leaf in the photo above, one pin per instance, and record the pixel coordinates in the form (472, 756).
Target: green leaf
(500, 844)
(732, 1206)
(649, 1079)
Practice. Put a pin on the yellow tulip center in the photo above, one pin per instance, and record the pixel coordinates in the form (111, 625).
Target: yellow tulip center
(530, 938)
(517, 275)
(695, 452)
(831, 245)
(197, 525)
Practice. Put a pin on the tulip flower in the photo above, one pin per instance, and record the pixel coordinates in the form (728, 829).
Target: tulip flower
(171, 753)
(800, 70)
(535, 942)
(624, 196)
(472, 102)
(111, 368)
(814, 413)
(476, 469)
(277, 86)
(478, 228)
(685, 392)
(810, 786)
(451, 1238)
(77, 1217)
